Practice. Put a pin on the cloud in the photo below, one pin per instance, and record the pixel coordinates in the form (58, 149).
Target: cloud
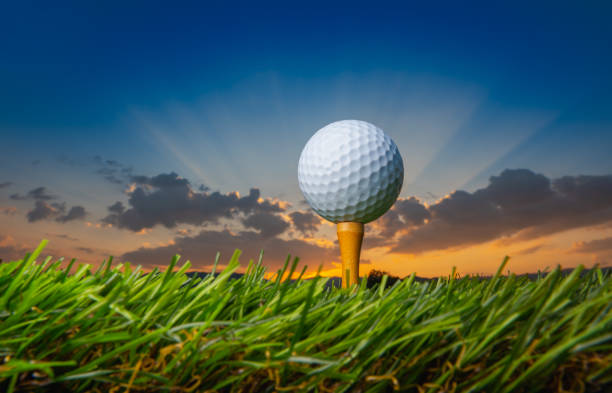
(86, 250)
(268, 224)
(113, 171)
(10, 250)
(184, 232)
(38, 194)
(406, 213)
(601, 249)
(63, 236)
(44, 211)
(517, 203)
(109, 175)
(594, 246)
(18, 197)
(529, 250)
(8, 211)
(305, 221)
(116, 208)
(169, 200)
(5, 184)
(75, 213)
(202, 248)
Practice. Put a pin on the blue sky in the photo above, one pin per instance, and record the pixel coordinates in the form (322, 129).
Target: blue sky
(228, 96)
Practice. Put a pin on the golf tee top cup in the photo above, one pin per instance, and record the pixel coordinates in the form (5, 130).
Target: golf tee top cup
(350, 171)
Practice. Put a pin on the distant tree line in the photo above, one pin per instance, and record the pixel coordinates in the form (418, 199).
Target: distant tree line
(375, 278)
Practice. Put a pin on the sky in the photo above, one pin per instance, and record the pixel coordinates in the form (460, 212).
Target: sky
(141, 131)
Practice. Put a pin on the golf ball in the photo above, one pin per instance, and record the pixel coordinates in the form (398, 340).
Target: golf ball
(350, 170)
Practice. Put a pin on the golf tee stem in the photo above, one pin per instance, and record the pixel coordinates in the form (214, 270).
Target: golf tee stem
(350, 236)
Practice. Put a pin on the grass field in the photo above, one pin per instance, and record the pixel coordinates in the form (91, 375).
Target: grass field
(118, 329)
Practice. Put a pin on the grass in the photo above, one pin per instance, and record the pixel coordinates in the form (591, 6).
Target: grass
(118, 329)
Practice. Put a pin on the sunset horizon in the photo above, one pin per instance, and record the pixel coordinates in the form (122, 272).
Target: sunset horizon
(473, 257)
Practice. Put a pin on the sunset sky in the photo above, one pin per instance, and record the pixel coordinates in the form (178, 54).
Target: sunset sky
(142, 131)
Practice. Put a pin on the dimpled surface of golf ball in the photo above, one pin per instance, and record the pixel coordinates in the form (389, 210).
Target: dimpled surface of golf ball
(350, 170)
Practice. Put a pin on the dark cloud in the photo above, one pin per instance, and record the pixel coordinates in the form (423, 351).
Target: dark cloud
(516, 188)
(594, 246)
(163, 180)
(305, 221)
(169, 200)
(268, 224)
(202, 248)
(116, 208)
(517, 203)
(44, 211)
(38, 194)
(578, 201)
(592, 190)
(406, 213)
(6, 184)
(75, 213)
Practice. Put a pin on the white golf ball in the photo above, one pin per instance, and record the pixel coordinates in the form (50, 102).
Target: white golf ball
(350, 170)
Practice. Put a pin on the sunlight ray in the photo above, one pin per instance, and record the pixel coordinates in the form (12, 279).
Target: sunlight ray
(166, 143)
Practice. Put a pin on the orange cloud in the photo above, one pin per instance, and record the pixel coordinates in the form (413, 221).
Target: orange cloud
(9, 210)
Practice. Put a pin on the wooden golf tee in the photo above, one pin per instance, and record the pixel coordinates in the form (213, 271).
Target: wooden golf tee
(350, 236)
